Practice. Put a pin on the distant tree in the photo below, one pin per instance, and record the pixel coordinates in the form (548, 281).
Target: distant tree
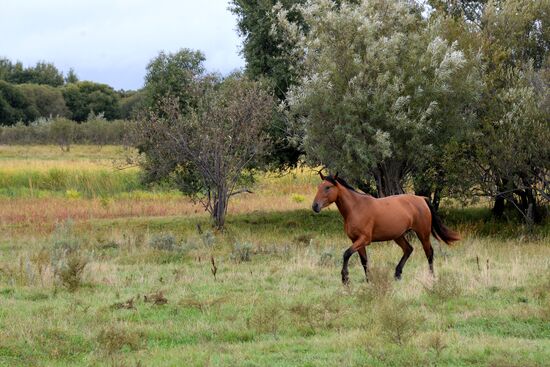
(47, 101)
(380, 92)
(62, 131)
(84, 97)
(173, 74)
(263, 49)
(71, 77)
(207, 148)
(14, 106)
(131, 103)
(265, 54)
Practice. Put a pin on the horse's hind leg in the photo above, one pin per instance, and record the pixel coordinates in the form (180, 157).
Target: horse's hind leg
(428, 249)
(407, 250)
(364, 261)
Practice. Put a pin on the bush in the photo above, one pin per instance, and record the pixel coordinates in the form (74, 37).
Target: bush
(397, 321)
(241, 252)
(446, 286)
(163, 242)
(112, 339)
(66, 132)
(68, 259)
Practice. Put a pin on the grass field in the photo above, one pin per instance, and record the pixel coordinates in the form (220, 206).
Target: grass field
(124, 277)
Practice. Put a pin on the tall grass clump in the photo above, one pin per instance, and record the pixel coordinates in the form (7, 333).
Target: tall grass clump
(68, 257)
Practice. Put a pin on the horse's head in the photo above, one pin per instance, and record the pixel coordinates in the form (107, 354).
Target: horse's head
(327, 192)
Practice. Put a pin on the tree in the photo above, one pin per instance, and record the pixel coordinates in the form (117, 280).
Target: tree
(264, 52)
(131, 102)
(14, 106)
(41, 73)
(71, 77)
(47, 101)
(507, 157)
(84, 97)
(379, 90)
(206, 149)
(173, 74)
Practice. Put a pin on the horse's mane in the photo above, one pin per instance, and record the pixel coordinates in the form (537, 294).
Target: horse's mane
(342, 182)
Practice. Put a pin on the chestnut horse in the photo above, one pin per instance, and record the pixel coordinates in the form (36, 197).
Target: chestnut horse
(367, 219)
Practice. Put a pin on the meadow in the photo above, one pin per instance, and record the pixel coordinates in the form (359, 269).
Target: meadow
(98, 270)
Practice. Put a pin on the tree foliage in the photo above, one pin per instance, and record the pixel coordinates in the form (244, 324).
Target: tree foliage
(14, 105)
(41, 73)
(83, 98)
(266, 58)
(205, 149)
(507, 156)
(380, 91)
(174, 75)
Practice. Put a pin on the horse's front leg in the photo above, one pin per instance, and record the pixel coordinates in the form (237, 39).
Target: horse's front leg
(360, 243)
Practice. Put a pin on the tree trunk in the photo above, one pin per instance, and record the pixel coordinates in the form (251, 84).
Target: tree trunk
(221, 197)
(500, 200)
(389, 178)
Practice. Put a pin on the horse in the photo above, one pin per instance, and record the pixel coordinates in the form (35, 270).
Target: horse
(368, 219)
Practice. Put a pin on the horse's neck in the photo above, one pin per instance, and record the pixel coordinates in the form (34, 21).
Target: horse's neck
(347, 200)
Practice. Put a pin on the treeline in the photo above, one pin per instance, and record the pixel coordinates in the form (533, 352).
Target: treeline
(64, 132)
(29, 93)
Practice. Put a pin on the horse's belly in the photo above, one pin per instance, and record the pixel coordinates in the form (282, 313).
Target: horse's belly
(390, 229)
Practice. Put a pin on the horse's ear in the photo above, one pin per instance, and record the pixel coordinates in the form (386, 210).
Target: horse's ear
(336, 176)
(321, 175)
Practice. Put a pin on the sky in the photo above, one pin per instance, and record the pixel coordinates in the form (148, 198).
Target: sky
(111, 41)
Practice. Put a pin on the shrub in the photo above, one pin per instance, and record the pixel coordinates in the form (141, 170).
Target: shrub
(112, 339)
(241, 252)
(327, 258)
(446, 286)
(380, 281)
(163, 242)
(397, 322)
(68, 259)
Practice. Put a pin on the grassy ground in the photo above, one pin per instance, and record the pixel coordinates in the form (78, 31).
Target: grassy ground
(121, 287)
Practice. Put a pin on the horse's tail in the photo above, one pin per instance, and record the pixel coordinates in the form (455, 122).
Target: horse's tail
(439, 230)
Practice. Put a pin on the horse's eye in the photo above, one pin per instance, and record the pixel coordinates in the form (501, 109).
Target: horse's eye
(327, 188)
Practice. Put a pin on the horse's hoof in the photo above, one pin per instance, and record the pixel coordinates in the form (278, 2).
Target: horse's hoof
(397, 276)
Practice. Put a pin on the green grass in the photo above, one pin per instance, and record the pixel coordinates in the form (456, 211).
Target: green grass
(282, 307)
(56, 182)
(276, 298)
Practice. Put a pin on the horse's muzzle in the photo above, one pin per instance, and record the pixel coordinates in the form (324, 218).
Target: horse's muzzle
(316, 207)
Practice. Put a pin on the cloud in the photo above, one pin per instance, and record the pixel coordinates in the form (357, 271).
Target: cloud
(112, 41)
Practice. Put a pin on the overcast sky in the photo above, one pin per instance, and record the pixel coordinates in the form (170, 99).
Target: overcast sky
(111, 41)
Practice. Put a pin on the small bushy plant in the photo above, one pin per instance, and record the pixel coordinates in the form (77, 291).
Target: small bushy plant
(164, 242)
(242, 252)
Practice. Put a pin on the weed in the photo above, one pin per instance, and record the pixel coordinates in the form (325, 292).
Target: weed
(397, 320)
(436, 341)
(445, 287)
(68, 260)
(113, 338)
(381, 282)
(241, 252)
(266, 318)
(163, 242)
(327, 258)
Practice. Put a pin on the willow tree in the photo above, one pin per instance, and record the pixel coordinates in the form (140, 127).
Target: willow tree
(380, 91)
